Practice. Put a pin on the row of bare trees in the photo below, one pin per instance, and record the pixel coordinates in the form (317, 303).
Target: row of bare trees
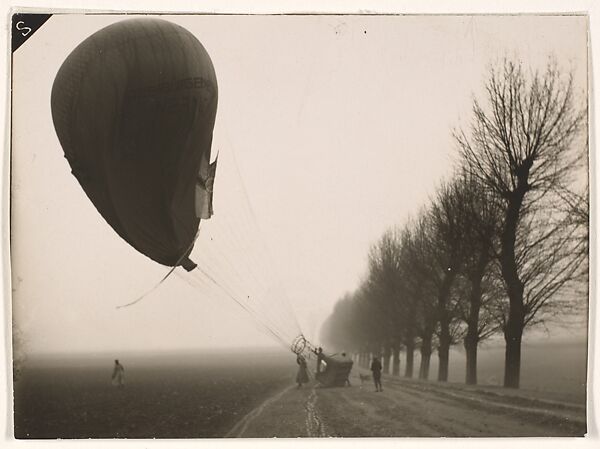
(499, 245)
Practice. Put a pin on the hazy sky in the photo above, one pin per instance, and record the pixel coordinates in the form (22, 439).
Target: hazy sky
(340, 126)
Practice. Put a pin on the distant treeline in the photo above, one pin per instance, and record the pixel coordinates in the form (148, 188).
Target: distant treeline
(502, 246)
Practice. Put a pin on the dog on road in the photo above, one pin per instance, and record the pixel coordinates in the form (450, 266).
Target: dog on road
(364, 378)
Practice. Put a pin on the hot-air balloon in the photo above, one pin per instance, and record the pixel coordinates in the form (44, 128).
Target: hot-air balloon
(134, 107)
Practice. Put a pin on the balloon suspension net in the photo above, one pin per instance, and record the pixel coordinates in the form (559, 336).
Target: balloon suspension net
(301, 345)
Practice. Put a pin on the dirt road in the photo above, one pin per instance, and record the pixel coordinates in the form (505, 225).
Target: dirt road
(408, 408)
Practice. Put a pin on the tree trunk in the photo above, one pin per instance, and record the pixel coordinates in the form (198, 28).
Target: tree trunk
(410, 360)
(444, 350)
(425, 357)
(471, 353)
(513, 330)
(472, 338)
(396, 360)
(409, 338)
(444, 318)
(387, 355)
(513, 334)
(424, 368)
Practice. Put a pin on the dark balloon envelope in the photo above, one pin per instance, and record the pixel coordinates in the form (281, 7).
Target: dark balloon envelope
(134, 108)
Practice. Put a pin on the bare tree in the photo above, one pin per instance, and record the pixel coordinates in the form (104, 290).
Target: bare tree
(342, 329)
(386, 281)
(479, 220)
(421, 293)
(414, 279)
(369, 318)
(576, 208)
(446, 237)
(523, 146)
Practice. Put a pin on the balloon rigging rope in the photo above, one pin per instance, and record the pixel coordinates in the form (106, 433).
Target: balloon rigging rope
(241, 304)
(264, 265)
(166, 275)
(220, 263)
(235, 233)
(255, 267)
(202, 281)
(263, 311)
(229, 289)
(272, 312)
(254, 221)
(234, 269)
(267, 327)
(272, 319)
(274, 308)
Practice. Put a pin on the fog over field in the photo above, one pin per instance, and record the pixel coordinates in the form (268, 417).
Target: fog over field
(556, 366)
(551, 365)
(186, 395)
(203, 394)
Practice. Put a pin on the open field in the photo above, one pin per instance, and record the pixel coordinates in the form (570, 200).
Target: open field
(553, 368)
(197, 396)
(252, 395)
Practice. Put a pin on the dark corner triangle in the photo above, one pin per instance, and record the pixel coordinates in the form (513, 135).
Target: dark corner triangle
(24, 25)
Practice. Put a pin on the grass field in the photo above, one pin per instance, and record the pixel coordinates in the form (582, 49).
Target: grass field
(205, 395)
(183, 396)
(558, 369)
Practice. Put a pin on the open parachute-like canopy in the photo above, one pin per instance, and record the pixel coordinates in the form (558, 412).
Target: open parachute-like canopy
(134, 108)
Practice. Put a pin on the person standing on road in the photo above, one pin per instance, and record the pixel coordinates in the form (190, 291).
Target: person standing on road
(376, 369)
(320, 356)
(346, 359)
(118, 376)
(302, 376)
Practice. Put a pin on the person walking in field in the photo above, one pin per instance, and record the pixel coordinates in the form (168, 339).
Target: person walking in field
(118, 375)
(302, 376)
(376, 369)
